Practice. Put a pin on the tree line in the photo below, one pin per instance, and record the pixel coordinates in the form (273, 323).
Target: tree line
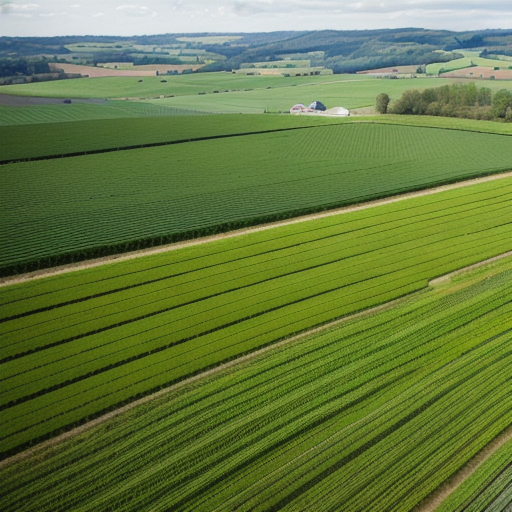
(456, 100)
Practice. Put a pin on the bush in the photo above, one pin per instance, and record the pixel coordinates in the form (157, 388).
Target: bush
(381, 103)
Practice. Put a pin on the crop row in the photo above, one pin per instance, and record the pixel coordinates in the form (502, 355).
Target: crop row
(338, 254)
(158, 195)
(488, 488)
(264, 245)
(68, 365)
(373, 415)
(58, 139)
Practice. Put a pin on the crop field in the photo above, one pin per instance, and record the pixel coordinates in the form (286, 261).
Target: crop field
(85, 111)
(79, 344)
(372, 415)
(77, 209)
(489, 488)
(57, 139)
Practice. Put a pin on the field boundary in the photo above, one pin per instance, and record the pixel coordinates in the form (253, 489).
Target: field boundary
(151, 145)
(224, 366)
(450, 486)
(464, 473)
(447, 277)
(114, 258)
(387, 122)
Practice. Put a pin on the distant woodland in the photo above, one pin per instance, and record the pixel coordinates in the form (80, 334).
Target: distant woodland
(341, 51)
(457, 100)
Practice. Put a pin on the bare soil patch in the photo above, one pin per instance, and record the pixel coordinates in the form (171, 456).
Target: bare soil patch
(391, 70)
(480, 72)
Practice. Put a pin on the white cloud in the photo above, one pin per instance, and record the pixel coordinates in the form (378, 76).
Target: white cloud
(130, 17)
(136, 10)
(23, 7)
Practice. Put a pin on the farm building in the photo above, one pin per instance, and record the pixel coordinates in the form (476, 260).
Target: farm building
(337, 111)
(318, 108)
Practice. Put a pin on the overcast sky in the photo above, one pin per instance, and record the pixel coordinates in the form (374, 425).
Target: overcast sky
(113, 17)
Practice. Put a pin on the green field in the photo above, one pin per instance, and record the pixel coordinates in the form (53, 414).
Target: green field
(491, 62)
(207, 93)
(445, 67)
(116, 87)
(81, 343)
(43, 114)
(470, 59)
(93, 205)
(372, 415)
(489, 488)
(83, 136)
(349, 94)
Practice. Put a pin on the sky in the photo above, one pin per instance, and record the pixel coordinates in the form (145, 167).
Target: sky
(114, 17)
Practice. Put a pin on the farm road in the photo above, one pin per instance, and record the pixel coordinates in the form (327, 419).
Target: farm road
(198, 241)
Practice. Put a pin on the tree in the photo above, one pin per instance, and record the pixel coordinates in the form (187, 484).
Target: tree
(501, 102)
(381, 103)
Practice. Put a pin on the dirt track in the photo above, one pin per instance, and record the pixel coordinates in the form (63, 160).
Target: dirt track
(102, 419)
(198, 241)
(449, 487)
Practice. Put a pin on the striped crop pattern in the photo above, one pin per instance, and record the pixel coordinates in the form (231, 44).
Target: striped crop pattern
(78, 344)
(373, 415)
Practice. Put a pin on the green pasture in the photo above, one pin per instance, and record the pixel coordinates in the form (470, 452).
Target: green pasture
(445, 67)
(192, 84)
(208, 93)
(470, 59)
(349, 94)
(93, 205)
(489, 63)
(372, 415)
(488, 488)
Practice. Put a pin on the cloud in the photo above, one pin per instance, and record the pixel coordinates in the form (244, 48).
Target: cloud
(330, 7)
(137, 11)
(24, 10)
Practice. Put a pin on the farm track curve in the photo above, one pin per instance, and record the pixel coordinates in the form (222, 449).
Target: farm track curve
(39, 274)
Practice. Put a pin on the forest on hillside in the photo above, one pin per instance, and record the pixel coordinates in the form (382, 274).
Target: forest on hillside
(341, 51)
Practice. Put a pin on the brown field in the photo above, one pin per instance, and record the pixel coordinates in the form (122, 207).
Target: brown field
(400, 70)
(162, 68)
(96, 72)
(480, 72)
